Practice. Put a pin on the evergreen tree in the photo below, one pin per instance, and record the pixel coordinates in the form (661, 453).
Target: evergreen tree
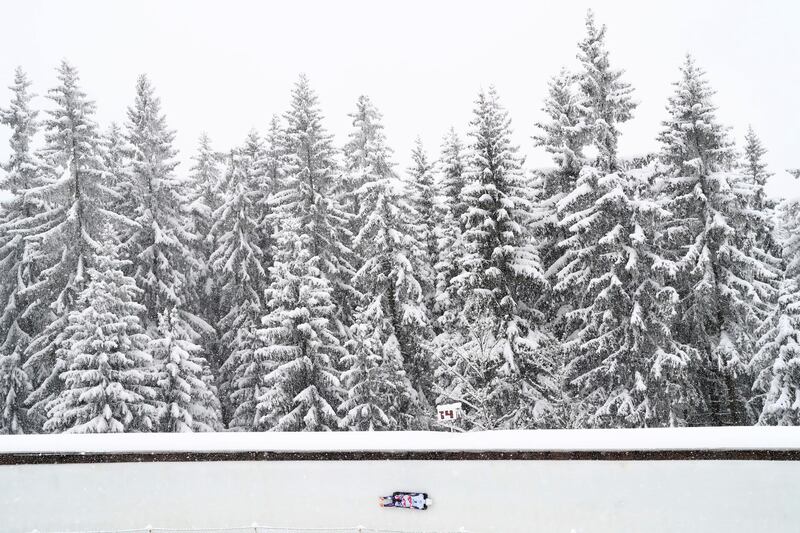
(776, 365)
(295, 373)
(272, 170)
(15, 386)
(451, 178)
(502, 276)
(706, 239)
(188, 397)
(164, 265)
(109, 379)
(367, 158)
(379, 395)
(238, 262)
(17, 270)
(624, 367)
(64, 237)
(565, 134)
(423, 200)
(392, 261)
(307, 195)
(605, 97)
(293, 377)
(116, 162)
(451, 168)
(206, 190)
(759, 221)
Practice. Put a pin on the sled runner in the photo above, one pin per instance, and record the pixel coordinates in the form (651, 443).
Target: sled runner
(406, 500)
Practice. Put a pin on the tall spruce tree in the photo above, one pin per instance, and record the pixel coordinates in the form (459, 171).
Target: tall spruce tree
(758, 212)
(272, 170)
(109, 381)
(583, 109)
(206, 190)
(500, 281)
(776, 365)
(238, 266)
(307, 194)
(64, 237)
(392, 264)
(451, 180)
(706, 238)
(565, 135)
(293, 377)
(17, 270)
(164, 264)
(624, 368)
(424, 201)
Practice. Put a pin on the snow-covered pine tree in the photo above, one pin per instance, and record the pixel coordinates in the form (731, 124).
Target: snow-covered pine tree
(565, 134)
(64, 237)
(379, 394)
(755, 169)
(424, 202)
(165, 266)
(205, 189)
(116, 162)
(605, 98)
(15, 385)
(17, 270)
(501, 278)
(272, 170)
(450, 208)
(187, 396)
(109, 380)
(583, 109)
(292, 382)
(392, 261)
(451, 170)
(707, 239)
(366, 156)
(238, 266)
(293, 377)
(776, 365)
(275, 153)
(624, 369)
(758, 213)
(308, 195)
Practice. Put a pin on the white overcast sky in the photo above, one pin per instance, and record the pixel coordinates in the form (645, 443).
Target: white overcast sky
(226, 66)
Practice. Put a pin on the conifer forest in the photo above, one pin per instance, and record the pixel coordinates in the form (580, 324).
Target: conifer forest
(293, 284)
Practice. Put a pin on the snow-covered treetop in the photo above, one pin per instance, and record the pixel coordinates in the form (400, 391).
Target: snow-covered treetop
(692, 138)
(22, 120)
(607, 99)
(566, 133)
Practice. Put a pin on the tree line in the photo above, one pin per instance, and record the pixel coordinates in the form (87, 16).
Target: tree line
(291, 285)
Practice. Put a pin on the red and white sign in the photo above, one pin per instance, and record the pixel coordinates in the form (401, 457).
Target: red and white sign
(448, 411)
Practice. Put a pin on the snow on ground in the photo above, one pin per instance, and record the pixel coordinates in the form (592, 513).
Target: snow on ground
(726, 438)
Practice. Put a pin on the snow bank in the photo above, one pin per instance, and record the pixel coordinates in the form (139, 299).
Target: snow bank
(727, 438)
